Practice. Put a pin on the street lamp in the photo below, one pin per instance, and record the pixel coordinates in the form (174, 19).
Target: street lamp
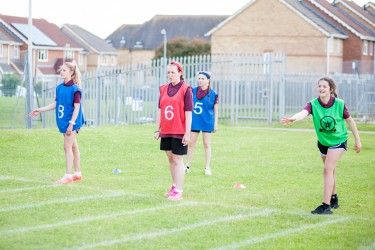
(164, 33)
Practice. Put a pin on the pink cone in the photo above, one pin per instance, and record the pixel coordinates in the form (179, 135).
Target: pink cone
(239, 185)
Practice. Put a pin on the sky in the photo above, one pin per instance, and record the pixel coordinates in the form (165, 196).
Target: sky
(104, 17)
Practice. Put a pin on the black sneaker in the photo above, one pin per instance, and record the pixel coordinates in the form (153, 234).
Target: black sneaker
(322, 209)
(334, 202)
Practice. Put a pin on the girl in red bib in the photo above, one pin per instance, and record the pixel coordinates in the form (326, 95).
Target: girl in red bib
(173, 125)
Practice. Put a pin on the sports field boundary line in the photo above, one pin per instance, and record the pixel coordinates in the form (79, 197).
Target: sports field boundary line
(298, 213)
(159, 233)
(97, 217)
(6, 177)
(280, 234)
(80, 184)
(14, 190)
(75, 199)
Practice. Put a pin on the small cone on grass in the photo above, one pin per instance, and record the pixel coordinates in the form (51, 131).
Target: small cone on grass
(239, 185)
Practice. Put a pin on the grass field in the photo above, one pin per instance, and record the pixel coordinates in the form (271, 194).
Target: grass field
(281, 170)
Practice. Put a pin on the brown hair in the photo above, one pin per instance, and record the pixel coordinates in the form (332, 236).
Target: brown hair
(179, 68)
(208, 75)
(75, 76)
(331, 83)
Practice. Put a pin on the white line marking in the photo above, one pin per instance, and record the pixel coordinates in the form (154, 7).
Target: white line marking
(91, 197)
(279, 234)
(174, 230)
(4, 177)
(10, 190)
(91, 218)
(299, 213)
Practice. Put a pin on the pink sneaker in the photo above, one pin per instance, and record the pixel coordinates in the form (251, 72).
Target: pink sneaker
(170, 192)
(176, 196)
(77, 177)
(65, 180)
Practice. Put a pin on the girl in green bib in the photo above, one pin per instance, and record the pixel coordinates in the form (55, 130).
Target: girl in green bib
(329, 113)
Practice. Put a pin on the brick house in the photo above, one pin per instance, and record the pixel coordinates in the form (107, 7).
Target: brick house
(137, 43)
(100, 54)
(358, 49)
(313, 41)
(370, 8)
(50, 45)
(9, 52)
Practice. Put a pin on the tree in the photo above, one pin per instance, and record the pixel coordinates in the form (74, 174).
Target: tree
(9, 84)
(181, 46)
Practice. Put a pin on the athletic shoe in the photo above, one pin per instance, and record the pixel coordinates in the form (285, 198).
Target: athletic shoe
(207, 171)
(65, 180)
(187, 169)
(77, 177)
(322, 209)
(176, 196)
(170, 192)
(334, 202)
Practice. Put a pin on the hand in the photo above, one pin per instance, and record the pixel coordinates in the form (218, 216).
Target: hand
(287, 121)
(157, 135)
(186, 139)
(357, 147)
(34, 113)
(215, 129)
(69, 129)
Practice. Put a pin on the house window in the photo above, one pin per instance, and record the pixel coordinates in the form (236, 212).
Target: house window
(69, 54)
(365, 47)
(104, 60)
(16, 52)
(43, 55)
(1, 49)
(80, 59)
(371, 49)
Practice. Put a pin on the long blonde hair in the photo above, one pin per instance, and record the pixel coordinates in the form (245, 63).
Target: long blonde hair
(76, 74)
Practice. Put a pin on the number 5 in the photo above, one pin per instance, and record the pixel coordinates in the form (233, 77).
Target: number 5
(198, 108)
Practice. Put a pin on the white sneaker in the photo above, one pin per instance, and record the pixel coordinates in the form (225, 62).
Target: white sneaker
(187, 169)
(207, 171)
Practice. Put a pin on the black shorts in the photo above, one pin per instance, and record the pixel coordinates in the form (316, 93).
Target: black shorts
(197, 131)
(173, 144)
(324, 149)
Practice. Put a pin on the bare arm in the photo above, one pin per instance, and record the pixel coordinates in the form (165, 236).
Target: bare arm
(73, 119)
(295, 118)
(37, 111)
(188, 119)
(216, 112)
(353, 128)
(157, 128)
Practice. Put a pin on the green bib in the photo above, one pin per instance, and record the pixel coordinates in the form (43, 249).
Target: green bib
(329, 122)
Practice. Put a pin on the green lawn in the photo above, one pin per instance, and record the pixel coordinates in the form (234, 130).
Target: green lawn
(281, 170)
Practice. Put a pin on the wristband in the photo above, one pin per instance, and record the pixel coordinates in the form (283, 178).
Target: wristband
(72, 122)
(157, 131)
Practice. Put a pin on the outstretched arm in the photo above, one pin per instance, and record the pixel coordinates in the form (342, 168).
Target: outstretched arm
(36, 112)
(353, 128)
(295, 118)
